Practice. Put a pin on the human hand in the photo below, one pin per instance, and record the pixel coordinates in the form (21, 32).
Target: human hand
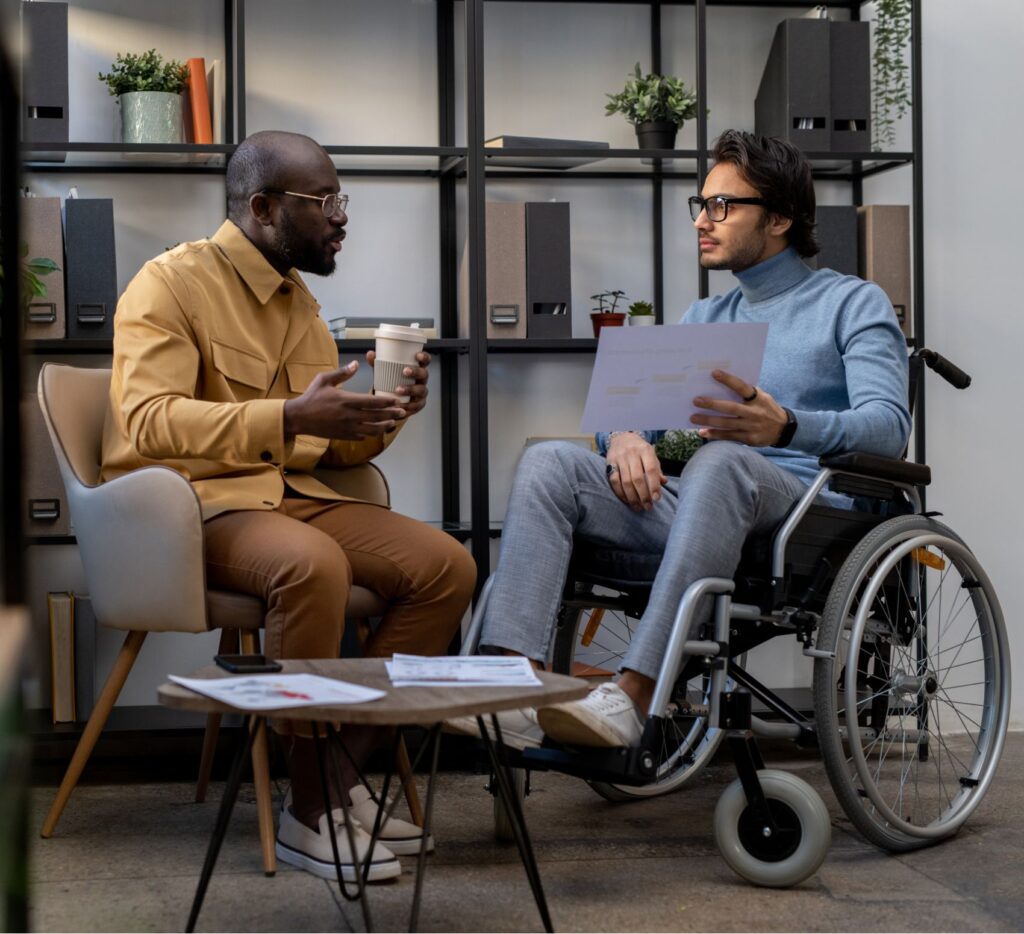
(755, 418)
(417, 392)
(327, 411)
(634, 471)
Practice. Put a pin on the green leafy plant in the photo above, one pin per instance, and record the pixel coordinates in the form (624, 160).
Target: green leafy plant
(653, 98)
(678, 445)
(145, 72)
(890, 83)
(30, 270)
(641, 309)
(606, 301)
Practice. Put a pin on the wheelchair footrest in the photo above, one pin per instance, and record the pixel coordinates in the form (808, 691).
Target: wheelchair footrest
(632, 765)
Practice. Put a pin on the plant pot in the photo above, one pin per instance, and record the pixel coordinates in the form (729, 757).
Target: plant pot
(639, 321)
(671, 468)
(656, 134)
(606, 319)
(151, 117)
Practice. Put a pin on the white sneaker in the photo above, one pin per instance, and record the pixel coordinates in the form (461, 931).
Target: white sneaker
(605, 717)
(399, 836)
(519, 728)
(311, 850)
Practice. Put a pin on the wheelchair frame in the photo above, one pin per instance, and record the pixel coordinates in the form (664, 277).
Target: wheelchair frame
(773, 829)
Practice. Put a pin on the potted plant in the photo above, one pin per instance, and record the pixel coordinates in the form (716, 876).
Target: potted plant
(656, 105)
(148, 91)
(30, 270)
(675, 448)
(605, 315)
(890, 92)
(641, 313)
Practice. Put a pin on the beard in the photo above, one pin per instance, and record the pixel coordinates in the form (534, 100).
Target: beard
(744, 255)
(299, 251)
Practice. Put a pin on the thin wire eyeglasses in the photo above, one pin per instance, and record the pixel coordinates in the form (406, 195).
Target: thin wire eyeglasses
(329, 204)
(717, 207)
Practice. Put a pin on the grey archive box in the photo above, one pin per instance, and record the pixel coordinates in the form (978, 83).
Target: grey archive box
(548, 275)
(850, 80)
(91, 267)
(44, 76)
(836, 232)
(46, 505)
(794, 98)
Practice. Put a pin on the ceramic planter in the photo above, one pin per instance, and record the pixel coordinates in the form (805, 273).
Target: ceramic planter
(639, 321)
(656, 134)
(151, 117)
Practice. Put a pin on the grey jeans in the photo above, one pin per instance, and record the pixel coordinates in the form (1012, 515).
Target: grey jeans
(698, 527)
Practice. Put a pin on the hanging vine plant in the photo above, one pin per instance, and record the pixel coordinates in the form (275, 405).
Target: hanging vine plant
(890, 86)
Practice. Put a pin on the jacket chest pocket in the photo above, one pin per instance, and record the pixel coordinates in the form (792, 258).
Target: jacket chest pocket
(300, 375)
(241, 367)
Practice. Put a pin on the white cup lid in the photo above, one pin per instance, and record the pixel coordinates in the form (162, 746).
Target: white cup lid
(400, 332)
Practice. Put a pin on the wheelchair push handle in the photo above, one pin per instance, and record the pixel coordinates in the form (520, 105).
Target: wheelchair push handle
(949, 371)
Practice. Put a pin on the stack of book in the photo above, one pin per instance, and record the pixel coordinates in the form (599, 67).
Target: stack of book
(541, 143)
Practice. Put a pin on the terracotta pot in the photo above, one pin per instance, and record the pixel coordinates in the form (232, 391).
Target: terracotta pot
(607, 319)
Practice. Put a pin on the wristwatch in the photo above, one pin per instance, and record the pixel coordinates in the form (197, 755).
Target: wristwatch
(788, 430)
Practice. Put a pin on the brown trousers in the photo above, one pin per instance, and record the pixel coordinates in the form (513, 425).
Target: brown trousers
(302, 559)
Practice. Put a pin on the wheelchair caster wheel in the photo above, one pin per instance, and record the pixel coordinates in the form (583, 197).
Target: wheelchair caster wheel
(793, 851)
(503, 826)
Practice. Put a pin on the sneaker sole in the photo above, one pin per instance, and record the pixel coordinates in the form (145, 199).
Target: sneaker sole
(379, 871)
(565, 727)
(407, 847)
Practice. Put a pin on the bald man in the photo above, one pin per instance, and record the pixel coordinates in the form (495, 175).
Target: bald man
(224, 371)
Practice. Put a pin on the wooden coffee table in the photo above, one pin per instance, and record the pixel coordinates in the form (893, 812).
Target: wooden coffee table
(400, 707)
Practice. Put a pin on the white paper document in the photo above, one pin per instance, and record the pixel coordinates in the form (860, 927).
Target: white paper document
(461, 671)
(276, 692)
(646, 378)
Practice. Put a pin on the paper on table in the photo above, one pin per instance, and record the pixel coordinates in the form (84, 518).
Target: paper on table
(461, 671)
(647, 378)
(277, 692)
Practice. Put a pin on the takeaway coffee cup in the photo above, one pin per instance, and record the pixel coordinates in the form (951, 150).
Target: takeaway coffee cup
(397, 346)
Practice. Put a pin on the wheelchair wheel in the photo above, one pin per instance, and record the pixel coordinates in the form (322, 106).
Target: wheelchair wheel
(912, 710)
(503, 826)
(591, 644)
(794, 852)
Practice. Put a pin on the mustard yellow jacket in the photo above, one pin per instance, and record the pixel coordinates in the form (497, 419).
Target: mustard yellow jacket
(209, 342)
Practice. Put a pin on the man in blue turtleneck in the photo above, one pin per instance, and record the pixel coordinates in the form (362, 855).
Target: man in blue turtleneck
(834, 379)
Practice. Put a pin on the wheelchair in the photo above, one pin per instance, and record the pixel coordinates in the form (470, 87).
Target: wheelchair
(911, 671)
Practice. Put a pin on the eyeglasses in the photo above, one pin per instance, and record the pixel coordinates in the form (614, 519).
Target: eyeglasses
(717, 207)
(330, 204)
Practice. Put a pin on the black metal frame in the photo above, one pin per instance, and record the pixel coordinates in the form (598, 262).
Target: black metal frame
(451, 165)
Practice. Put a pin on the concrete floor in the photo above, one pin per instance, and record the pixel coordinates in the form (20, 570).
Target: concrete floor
(127, 858)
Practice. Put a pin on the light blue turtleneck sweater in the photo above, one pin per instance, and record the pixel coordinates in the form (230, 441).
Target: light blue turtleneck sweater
(835, 355)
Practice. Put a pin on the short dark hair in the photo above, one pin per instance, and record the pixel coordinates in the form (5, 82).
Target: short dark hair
(782, 176)
(257, 163)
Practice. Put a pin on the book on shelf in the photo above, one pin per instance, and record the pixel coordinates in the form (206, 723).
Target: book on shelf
(60, 608)
(199, 102)
(540, 142)
(363, 328)
(215, 84)
(85, 657)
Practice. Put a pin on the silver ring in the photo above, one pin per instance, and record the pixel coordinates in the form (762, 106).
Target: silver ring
(611, 469)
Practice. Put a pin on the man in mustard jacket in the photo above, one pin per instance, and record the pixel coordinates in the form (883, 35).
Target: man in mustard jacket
(224, 371)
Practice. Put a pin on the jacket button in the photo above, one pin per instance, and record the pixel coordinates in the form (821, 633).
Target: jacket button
(266, 455)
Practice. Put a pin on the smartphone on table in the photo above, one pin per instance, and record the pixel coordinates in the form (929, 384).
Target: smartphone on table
(247, 664)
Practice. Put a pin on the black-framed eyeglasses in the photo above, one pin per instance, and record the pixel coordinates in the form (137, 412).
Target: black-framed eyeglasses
(329, 204)
(717, 207)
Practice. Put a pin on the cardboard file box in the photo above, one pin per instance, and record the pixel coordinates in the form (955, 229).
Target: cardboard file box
(46, 505)
(41, 229)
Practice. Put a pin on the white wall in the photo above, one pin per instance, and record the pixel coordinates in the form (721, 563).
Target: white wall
(362, 72)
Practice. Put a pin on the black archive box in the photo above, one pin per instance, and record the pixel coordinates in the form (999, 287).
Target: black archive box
(850, 79)
(836, 232)
(91, 267)
(548, 274)
(44, 76)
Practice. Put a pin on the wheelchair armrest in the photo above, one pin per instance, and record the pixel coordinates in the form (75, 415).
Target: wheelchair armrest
(877, 467)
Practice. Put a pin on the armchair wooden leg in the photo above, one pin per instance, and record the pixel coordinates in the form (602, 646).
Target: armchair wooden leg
(104, 703)
(261, 779)
(228, 645)
(412, 796)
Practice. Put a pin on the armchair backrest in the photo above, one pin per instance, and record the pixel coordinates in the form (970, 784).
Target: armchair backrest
(74, 404)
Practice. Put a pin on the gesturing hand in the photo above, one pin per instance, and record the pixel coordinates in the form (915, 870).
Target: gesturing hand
(327, 411)
(417, 392)
(754, 418)
(634, 471)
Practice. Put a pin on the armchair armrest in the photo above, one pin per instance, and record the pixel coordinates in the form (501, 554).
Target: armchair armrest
(363, 481)
(141, 539)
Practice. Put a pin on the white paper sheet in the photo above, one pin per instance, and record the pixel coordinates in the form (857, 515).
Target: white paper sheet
(647, 378)
(461, 671)
(276, 692)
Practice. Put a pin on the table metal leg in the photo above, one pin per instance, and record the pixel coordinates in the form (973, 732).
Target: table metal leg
(506, 790)
(434, 739)
(227, 805)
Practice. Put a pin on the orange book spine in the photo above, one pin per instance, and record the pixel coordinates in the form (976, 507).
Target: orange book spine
(202, 129)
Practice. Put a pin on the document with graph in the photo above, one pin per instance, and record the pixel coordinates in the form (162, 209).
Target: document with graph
(647, 378)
